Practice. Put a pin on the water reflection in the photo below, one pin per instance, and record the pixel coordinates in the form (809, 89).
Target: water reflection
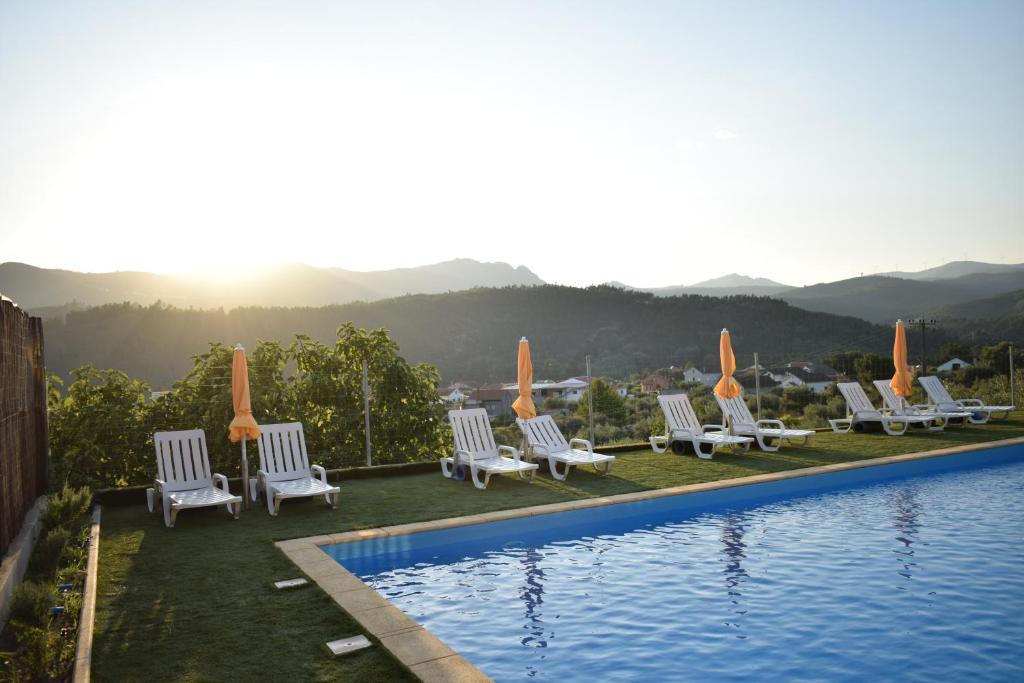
(734, 552)
(532, 595)
(906, 510)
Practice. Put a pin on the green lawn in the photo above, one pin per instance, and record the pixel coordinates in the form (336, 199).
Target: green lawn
(195, 602)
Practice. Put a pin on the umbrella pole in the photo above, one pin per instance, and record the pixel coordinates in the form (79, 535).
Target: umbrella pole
(246, 502)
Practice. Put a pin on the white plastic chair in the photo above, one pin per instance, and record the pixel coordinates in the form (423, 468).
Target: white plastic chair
(284, 468)
(770, 434)
(860, 412)
(545, 440)
(475, 448)
(183, 476)
(980, 413)
(682, 426)
(898, 406)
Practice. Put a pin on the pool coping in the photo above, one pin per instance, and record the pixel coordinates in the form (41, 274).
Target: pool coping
(426, 655)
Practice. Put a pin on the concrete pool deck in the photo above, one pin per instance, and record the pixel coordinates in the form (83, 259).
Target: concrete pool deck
(429, 658)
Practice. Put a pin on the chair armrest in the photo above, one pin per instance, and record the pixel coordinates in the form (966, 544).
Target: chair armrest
(590, 446)
(778, 424)
(319, 471)
(514, 451)
(159, 484)
(222, 481)
(713, 428)
(965, 402)
(460, 454)
(540, 447)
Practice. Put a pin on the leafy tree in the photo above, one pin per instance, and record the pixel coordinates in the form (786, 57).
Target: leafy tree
(99, 430)
(607, 402)
(956, 349)
(997, 357)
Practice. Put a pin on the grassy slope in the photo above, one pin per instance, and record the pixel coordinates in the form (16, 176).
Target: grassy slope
(195, 602)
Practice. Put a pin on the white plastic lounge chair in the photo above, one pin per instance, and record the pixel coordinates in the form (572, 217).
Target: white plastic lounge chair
(284, 468)
(860, 412)
(546, 441)
(183, 476)
(475, 449)
(682, 426)
(770, 434)
(898, 406)
(980, 413)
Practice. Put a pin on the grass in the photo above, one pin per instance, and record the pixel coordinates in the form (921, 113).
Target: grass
(195, 603)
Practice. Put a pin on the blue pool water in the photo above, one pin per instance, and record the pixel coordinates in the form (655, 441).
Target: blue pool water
(911, 572)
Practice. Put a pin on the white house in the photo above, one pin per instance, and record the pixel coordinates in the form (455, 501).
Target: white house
(570, 390)
(708, 379)
(953, 364)
(452, 395)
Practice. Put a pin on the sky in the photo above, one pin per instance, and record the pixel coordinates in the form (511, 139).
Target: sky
(653, 143)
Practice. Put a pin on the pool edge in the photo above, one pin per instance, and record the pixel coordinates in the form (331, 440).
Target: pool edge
(427, 656)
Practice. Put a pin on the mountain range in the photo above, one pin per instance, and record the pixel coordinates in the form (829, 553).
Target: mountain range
(471, 335)
(291, 284)
(877, 298)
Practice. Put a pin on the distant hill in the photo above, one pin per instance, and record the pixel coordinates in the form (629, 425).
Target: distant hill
(286, 285)
(879, 298)
(734, 280)
(1002, 306)
(472, 334)
(733, 284)
(955, 269)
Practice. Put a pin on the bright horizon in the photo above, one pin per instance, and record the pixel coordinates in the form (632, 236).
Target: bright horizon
(656, 145)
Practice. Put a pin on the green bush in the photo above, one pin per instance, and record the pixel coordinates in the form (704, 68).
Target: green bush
(48, 552)
(68, 507)
(32, 602)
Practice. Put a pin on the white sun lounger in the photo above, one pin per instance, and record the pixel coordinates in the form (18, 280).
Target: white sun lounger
(861, 412)
(546, 441)
(682, 426)
(980, 413)
(285, 471)
(770, 434)
(183, 476)
(475, 448)
(898, 406)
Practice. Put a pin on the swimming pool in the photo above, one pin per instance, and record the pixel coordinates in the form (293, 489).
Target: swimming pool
(912, 571)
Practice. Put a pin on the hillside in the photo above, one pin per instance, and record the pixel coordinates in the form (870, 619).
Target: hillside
(733, 284)
(285, 285)
(955, 269)
(472, 334)
(883, 299)
(1002, 306)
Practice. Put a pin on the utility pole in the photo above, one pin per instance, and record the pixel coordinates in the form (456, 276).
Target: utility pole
(1013, 393)
(590, 403)
(923, 323)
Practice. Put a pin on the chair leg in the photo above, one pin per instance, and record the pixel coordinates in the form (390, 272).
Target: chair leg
(892, 429)
(700, 452)
(764, 445)
(169, 513)
(476, 479)
(659, 444)
(332, 500)
(272, 502)
(553, 466)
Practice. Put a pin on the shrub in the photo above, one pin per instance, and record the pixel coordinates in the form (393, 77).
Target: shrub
(67, 507)
(32, 602)
(49, 550)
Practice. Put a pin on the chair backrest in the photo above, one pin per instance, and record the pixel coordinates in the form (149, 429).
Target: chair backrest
(472, 431)
(182, 461)
(283, 451)
(857, 400)
(679, 414)
(736, 409)
(542, 431)
(892, 401)
(935, 389)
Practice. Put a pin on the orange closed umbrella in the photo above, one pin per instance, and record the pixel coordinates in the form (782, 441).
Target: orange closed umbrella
(727, 387)
(524, 404)
(243, 427)
(901, 381)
